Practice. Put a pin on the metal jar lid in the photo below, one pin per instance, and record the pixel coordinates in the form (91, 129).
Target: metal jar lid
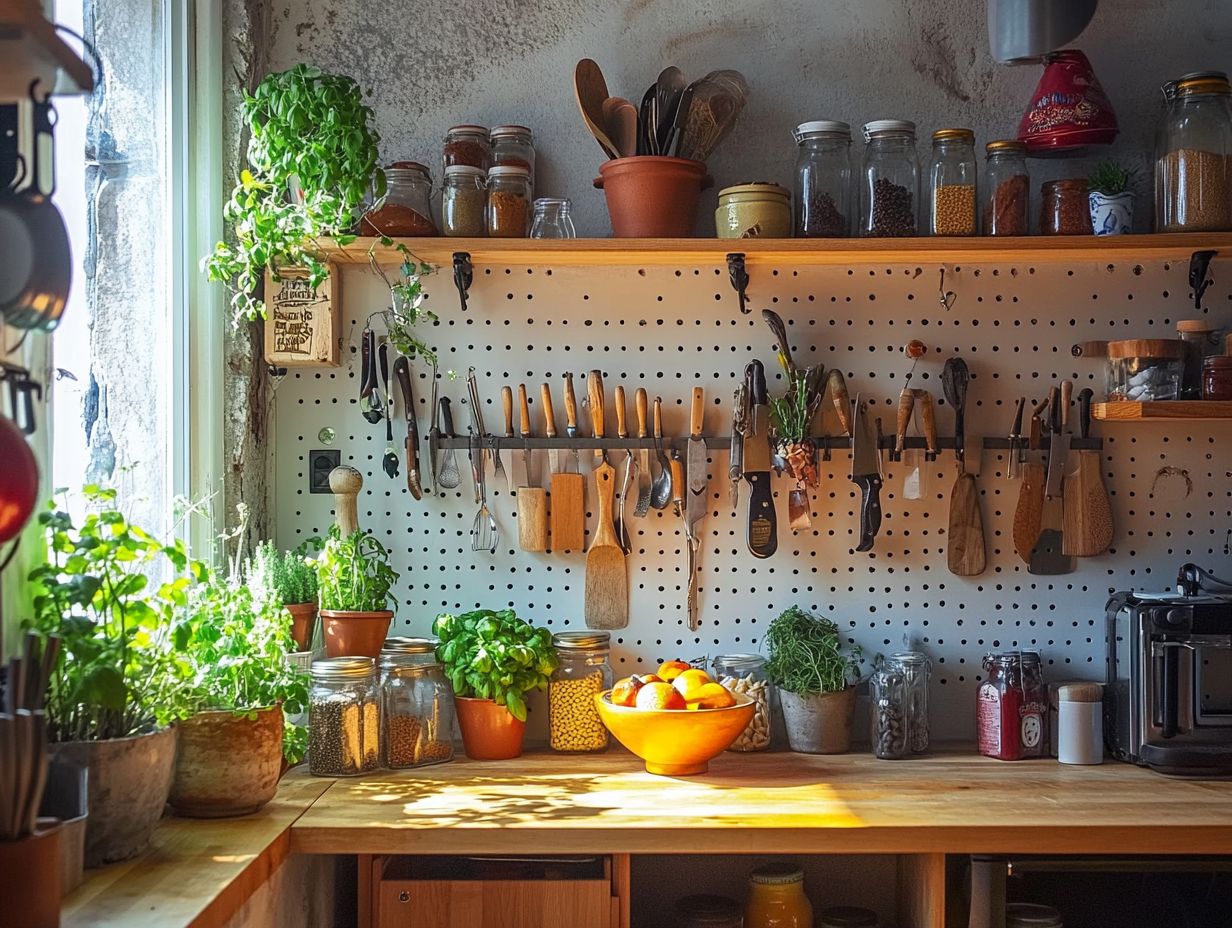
(466, 129)
(581, 641)
(343, 668)
(508, 170)
(910, 658)
(888, 127)
(505, 131)
(407, 170)
(777, 875)
(1006, 147)
(819, 128)
(408, 645)
(1214, 82)
(740, 662)
(954, 135)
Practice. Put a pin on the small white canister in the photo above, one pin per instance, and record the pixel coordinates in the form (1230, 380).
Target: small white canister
(1080, 723)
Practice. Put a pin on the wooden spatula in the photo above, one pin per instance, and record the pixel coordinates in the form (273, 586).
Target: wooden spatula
(1030, 506)
(1088, 511)
(568, 490)
(607, 583)
(590, 89)
(965, 554)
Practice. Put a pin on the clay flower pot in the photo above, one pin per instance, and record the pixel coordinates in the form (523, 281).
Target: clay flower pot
(355, 634)
(489, 731)
(303, 617)
(651, 196)
(820, 723)
(227, 764)
(30, 877)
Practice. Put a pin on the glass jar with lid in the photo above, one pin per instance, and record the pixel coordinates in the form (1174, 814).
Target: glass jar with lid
(406, 208)
(887, 689)
(464, 202)
(1065, 208)
(746, 673)
(552, 218)
(890, 182)
(582, 673)
(416, 715)
(847, 916)
(469, 145)
(1193, 166)
(706, 911)
(514, 146)
(776, 898)
(508, 202)
(344, 717)
(951, 182)
(823, 179)
(1007, 188)
(405, 651)
(1012, 706)
(917, 670)
(1202, 340)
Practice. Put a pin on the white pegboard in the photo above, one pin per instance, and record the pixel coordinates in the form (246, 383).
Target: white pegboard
(669, 329)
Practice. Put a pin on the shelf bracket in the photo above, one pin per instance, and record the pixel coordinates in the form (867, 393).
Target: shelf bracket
(463, 275)
(1199, 276)
(739, 278)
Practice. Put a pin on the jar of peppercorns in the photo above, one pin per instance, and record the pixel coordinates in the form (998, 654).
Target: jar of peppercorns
(582, 673)
(416, 712)
(1065, 209)
(344, 717)
(823, 179)
(406, 209)
(890, 184)
(468, 145)
(1007, 188)
(464, 202)
(514, 146)
(508, 202)
(951, 180)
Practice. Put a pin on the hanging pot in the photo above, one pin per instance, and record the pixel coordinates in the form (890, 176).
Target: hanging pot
(19, 488)
(1027, 30)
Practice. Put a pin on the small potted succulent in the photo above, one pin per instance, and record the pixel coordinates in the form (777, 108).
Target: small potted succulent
(354, 587)
(816, 680)
(1111, 199)
(493, 659)
(291, 578)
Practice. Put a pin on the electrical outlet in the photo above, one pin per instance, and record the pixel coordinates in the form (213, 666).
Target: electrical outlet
(320, 463)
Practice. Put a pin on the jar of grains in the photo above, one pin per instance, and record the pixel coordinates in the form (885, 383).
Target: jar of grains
(823, 179)
(951, 180)
(890, 183)
(552, 219)
(746, 673)
(1007, 188)
(344, 717)
(416, 716)
(1193, 166)
(583, 672)
(467, 145)
(401, 651)
(1064, 208)
(464, 202)
(917, 670)
(889, 713)
(406, 209)
(513, 146)
(508, 202)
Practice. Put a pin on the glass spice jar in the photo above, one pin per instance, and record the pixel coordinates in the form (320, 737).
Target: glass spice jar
(776, 898)
(344, 717)
(552, 218)
(1007, 188)
(583, 672)
(1202, 341)
(1012, 707)
(746, 673)
(416, 716)
(400, 651)
(464, 202)
(508, 202)
(887, 688)
(406, 208)
(890, 184)
(514, 146)
(951, 181)
(1193, 163)
(1217, 378)
(917, 670)
(469, 145)
(1064, 207)
(823, 179)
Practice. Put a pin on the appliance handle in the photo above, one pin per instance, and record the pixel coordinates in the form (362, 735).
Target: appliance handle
(1192, 580)
(1169, 688)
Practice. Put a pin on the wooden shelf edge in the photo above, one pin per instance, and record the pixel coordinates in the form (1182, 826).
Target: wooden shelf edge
(1163, 411)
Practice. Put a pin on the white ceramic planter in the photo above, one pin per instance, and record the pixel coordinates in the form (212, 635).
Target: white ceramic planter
(1111, 215)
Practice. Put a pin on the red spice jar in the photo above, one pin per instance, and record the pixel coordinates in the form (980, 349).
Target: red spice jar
(1065, 209)
(1012, 707)
(468, 145)
(406, 209)
(1217, 378)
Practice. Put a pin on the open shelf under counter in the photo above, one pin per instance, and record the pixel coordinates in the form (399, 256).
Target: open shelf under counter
(1163, 411)
(651, 252)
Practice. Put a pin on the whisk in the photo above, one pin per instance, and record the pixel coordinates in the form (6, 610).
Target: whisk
(484, 532)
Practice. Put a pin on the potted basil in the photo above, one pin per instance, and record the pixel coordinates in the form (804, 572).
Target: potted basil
(354, 583)
(1111, 199)
(493, 659)
(816, 681)
(290, 577)
(115, 691)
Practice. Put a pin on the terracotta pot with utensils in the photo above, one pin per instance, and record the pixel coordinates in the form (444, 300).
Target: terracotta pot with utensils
(650, 196)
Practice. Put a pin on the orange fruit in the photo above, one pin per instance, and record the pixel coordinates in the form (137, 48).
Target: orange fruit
(649, 678)
(711, 696)
(689, 680)
(659, 696)
(624, 693)
(670, 670)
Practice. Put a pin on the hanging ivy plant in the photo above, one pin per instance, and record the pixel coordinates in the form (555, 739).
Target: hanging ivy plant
(312, 159)
(406, 298)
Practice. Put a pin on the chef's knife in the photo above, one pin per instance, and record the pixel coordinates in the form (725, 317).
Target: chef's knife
(434, 435)
(642, 404)
(402, 372)
(762, 535)
(1058, 449)
(696, 463)
(1014, 459)
(866, 474)
(504, 457)
(740, 425)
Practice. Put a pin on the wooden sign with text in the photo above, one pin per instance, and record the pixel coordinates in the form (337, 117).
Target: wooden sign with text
(302, 325)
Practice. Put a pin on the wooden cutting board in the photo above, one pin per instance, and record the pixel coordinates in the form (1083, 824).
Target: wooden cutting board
(965, 552)
(1030, 509)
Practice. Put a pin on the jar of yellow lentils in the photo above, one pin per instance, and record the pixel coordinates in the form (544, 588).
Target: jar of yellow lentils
(582, 673)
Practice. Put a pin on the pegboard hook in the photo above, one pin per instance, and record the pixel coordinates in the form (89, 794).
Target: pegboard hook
(739, 276)
(463, 275)
(948, 297)
(1199, 276)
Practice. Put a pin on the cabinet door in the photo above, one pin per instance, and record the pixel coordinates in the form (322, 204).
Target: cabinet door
(494, 904)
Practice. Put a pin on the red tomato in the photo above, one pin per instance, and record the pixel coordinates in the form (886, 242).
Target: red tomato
(19, 480)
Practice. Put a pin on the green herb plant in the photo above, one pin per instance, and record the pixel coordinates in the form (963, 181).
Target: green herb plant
(1110, 178)
(806, 654)
(407, 298)
(288, 575)
(116, 674)
(790, 413)
(312, 158)
(353, 573)
(494, 655)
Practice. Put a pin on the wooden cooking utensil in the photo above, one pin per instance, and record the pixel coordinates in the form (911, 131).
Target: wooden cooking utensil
(1031, 491)
(607, 583)
(568, 519)
(532, 501)
(620, 122)
(1088, 511)
(590, 89)
(965, 554)
(345, 482)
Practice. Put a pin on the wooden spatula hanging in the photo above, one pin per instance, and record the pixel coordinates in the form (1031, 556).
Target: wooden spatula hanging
(965, 553)
(1088, 511)
(607, 583)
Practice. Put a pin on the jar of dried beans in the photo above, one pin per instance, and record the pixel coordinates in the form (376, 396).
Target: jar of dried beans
(514, 147)
(887, 690)
(406, 209)
(823, 179)
(1012, 707)
(467, 145)
(464, 202)
(1007, 189)
(1064, 208)
(951, 181)
(416, 715)
(508, 202)
(746, 673)
(1193, 167)
(401, 651)
(344, 717)
(582, 673)
(890, 183)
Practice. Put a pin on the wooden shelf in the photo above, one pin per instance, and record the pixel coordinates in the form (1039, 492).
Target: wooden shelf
(1162, 411)
(788, 252)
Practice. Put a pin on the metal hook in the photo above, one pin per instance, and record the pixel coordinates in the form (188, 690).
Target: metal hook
(1199, 277)
(948, 297)
(739, 277)
(463, 275)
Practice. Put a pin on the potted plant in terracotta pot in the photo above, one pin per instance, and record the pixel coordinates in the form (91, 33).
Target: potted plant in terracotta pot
(1111, 199)
(290, 577)
(354, 581)
(115, 690)
(816, 680)
(493, 659)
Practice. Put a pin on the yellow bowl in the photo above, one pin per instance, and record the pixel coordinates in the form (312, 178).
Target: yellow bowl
(676, 742)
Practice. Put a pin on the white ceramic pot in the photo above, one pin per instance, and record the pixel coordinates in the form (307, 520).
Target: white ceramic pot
(1111, 215)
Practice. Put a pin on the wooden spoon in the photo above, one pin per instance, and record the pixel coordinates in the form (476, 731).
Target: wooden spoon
(621, 121)
(590, 89)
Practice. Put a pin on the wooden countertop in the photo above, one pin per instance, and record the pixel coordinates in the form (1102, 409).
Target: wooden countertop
(953, 802)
